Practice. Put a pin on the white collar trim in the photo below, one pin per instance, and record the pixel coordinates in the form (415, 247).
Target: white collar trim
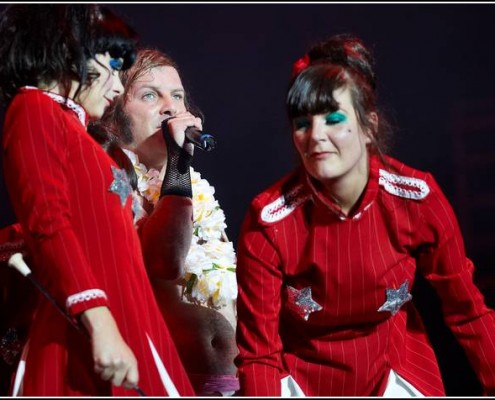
(81, 114)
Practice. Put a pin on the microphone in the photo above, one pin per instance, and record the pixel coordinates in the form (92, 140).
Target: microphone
(202, 140)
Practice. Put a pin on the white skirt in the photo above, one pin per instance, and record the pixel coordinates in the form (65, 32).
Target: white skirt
(396, 387)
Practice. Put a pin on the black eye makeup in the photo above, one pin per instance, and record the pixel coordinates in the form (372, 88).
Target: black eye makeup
(301, 123)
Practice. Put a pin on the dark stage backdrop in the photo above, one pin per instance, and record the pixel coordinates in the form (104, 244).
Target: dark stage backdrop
(436, 82)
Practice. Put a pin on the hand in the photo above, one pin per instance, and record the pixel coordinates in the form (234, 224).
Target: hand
(177, 126)
(113, 359)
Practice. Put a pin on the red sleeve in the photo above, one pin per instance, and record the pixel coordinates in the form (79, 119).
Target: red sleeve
(445, 265)
(259, 280)
(36, 134)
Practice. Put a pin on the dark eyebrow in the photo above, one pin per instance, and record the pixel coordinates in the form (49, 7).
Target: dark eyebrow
(157, 89)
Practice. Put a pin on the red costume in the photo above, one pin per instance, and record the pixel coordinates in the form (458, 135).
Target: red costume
(74, 206)
(324, 297)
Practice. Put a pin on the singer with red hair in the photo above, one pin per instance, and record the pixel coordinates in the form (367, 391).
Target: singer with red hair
(190, 260)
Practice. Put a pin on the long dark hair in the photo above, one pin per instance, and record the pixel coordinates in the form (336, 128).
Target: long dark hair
(341, 61)
(43, 43)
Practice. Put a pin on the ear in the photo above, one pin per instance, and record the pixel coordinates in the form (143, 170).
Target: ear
(373, 120)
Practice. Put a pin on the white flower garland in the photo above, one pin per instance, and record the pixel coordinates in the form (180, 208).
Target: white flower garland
(211, 262)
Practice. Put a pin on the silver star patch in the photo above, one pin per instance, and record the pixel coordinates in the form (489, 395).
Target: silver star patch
(120, 185)
(396, 298)
(301, 302)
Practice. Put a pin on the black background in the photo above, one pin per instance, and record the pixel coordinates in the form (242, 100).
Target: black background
(436, 83)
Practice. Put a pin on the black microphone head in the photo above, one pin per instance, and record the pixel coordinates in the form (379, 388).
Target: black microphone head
(204, 141)
(209, 143)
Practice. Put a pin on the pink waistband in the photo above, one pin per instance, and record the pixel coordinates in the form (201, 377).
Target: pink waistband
(212, 384)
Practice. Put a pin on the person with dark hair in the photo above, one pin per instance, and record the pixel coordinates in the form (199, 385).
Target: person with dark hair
(60, 69)
(327, 256)
(190, 260)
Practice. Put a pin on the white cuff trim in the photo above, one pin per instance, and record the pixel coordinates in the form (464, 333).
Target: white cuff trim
(85, 296)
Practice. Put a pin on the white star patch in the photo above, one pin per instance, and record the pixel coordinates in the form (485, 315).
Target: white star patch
(396, 298)
(120, 185)
(301, 303)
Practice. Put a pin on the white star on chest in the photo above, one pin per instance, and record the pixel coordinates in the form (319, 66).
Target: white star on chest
(301, 302)
(120, 185)
(396, 298)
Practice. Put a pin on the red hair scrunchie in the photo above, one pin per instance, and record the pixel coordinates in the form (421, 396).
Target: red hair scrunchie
(300, 65)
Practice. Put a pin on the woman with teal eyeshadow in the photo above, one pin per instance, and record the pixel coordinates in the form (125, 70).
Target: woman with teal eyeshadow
(328, 255)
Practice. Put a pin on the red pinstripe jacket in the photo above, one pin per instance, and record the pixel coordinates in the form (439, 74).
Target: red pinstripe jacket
(343, 337)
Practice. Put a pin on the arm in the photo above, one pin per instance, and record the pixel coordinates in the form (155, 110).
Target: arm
(35, 164)
(113, 360)
(259, 280)
(446, 267)
(166, 234)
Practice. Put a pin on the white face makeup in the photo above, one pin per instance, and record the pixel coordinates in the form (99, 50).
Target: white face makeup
(97, 96)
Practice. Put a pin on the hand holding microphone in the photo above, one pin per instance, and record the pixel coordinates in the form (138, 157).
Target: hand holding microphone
(193, 133)
(177, 179)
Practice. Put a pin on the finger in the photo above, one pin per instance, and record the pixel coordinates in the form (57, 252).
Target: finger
(119, 376)
(108, 369)
(107, 373)
(132, 378)
(198, 122)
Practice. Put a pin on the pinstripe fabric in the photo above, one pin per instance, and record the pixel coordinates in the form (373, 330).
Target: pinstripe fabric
(348, 348)
(81, 238)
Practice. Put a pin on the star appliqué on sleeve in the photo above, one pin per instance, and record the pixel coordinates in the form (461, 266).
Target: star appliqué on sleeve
(120, 185)
(301, 302)
(396, 298)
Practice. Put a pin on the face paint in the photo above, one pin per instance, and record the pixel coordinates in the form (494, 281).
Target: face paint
(335, 118)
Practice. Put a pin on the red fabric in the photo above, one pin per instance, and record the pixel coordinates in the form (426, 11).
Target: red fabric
(80, 238)
(348, 348)
(11, 242)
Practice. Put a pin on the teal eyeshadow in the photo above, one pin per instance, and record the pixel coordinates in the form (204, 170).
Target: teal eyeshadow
(336, 117)
(301, 123)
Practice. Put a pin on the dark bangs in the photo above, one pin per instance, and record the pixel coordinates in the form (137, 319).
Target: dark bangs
(116, 37)
(312, 91)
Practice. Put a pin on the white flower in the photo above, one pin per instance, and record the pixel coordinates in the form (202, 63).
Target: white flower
(210, 263)
(210, 226)
(222, 253)
(197, 259)
(217, 286)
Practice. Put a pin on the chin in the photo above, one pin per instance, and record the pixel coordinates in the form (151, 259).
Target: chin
(323, 175)
(94, 114)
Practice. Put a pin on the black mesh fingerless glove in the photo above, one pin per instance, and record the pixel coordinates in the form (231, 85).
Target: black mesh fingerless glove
(177, 180)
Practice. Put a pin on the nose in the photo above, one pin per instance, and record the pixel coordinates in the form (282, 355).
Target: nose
(168, 106)
(117, 84)
(317, 130)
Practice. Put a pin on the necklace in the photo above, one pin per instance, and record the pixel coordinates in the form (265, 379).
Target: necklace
(210, 264)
